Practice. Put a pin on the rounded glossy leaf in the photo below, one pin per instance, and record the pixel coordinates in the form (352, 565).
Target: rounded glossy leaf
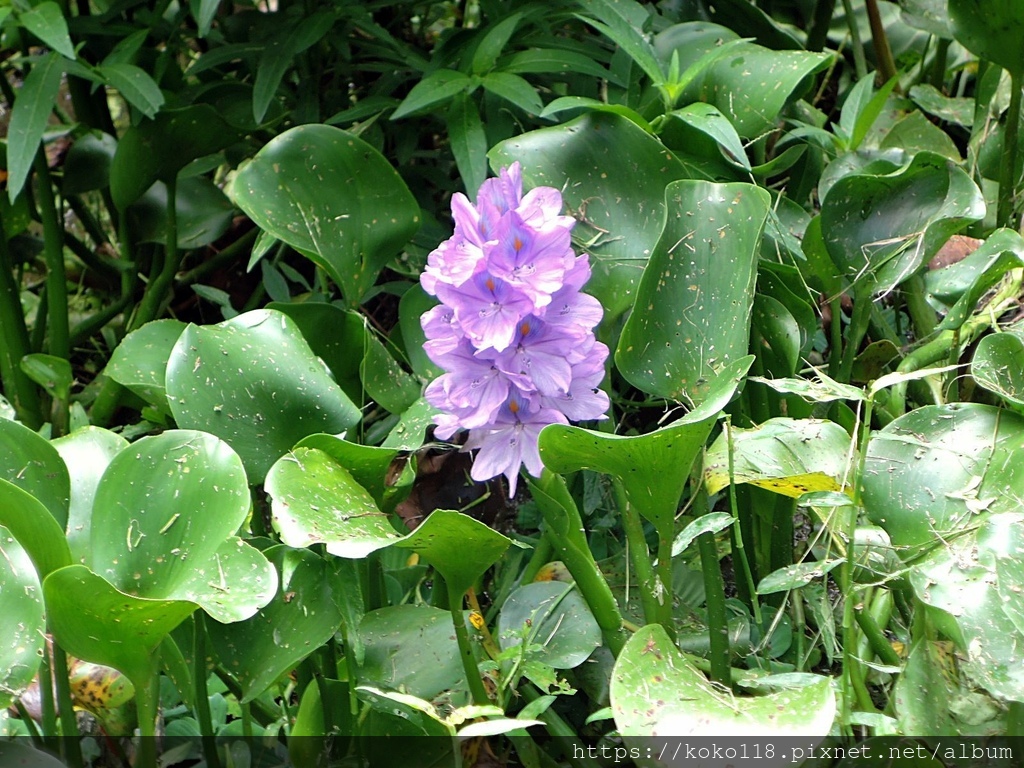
(991, 29)
(333, 197)
(553, 617)
(998, 365)
(34, 527)
(87, 165)
(203, 213)
(315, 500)
(254, 382)
(302, 616)
(21, 605)
(883, 228)
(656, 691)
(933, 472)
(787, 456)
(369, 465)
(164, 522)
(94, 621)
(385, 381)
(87, 453)
(692, 311)
(412, 648)
(13, 753)
(30, 462)
(613, 177)
(139, 362)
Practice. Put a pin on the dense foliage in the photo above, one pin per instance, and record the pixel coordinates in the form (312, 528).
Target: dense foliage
(767, 253)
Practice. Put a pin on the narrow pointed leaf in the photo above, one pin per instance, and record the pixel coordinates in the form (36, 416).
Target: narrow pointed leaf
(32, 107)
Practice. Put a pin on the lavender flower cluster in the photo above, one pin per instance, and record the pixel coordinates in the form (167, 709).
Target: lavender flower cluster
(514, 333)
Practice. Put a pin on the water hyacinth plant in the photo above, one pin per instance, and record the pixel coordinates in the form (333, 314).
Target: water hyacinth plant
(514, 331)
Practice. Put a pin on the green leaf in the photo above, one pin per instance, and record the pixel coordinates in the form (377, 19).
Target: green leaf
(31, 463)
(315, 500)
(369, 465)
(254, 382)
(998, 365)
(653, 467)
(349, 210)
(95, 622)
(459, 547)
(204, 12)
(302, 616)
(692, 311)
(713, 522)
(515, 90)
(495, 37)
(52, 373)
(278, 53)
(916, 133)
(656, 691)
(787, 456)
(87, 164)
(554, 61)
(32, 107)
(931, 473)
(164, 520)
(710, 121)
(35, 529)
(337, 336)
(87, 453)
(203, 213)
(411, 307)
(435, 88)
(21, 605)
(411, 431)
(621, 23)
(991, 29)
(410, 648)
(795, 576)
(468, 141)
(552, 616)
(156, 150)
(882, 229)
(139, 362)
(46, 21)
(930, 16)
(136, 86)
(613, 176)
(385, 380)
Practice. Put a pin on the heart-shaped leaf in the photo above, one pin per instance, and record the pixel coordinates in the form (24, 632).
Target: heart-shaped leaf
(656, 691)
(254, 382)
(692, 311)
(333, 197)
(552, 617)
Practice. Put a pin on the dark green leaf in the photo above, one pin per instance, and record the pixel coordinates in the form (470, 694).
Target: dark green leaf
(468, 141)
(46, 21)
(514, 89)
(21, 605)
(278, 55)
(435, 88)
(136, 86)
(31, 463)
(494, 39)
(140, 361)
(32, 108)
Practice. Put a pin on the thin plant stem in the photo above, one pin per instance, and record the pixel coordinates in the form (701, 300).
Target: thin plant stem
(158, 290)
(147, 700)
(469, 665)
(14, 344)
(47, 706)
(664, 585)
(639, 554)
(71, 749)
(53, 248)
(817, 33)
(855, 333)
(202, 700)
(561, 731)
(883, 53)
(740, 551)
(860, 64)
(1008, 173)
(714, 586)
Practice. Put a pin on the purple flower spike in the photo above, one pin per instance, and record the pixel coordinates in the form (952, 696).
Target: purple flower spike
(513, 333)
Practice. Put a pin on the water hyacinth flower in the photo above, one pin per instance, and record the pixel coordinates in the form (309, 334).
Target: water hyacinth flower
(514, 332)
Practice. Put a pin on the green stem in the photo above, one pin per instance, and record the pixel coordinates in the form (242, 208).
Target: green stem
(202, 697)
(228, 256)
(469, 665)
(569, 540)
(70, 746)
(855, 333)
(158, 290)
(921, 314)
(53, 248)
(938, 74)
(541, 556)
(876, 638)
(883, 53)
(1015, 719)
(817, 34)
(835, 356)
(14, 344)
(714, 585)
(147, 703)
(639, 554)
(95, 323)
(1008, 176)
(739, 549)
(664, 586)
(859, 62)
